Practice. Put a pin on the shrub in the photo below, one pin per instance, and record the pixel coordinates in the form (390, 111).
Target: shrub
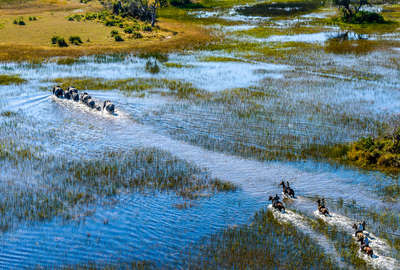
(76, 40)
(76, 17)
(54, 40)
(90, 16)
(129, 30)
(114, 33)
(367, 17)
(32, 18)
(137, 35)
(147, 28)
(152, 67)
(19, 21)
(61, 42)
(118, 38)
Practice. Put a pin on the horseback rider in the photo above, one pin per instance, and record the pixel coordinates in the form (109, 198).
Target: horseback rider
(323, 202)
(360, 229)
(364, 242)
(276, 198)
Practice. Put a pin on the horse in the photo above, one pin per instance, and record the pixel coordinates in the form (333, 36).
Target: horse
(108, 106)
(321, 207)
(287, 190)
(58, 91)
(366, 248)
(359, 230)
(276, 203)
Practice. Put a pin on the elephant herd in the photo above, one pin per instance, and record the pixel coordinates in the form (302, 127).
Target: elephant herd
(72, 94)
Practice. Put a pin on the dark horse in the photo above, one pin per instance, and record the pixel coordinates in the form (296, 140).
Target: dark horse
(287, 190)
(321, 207)
(276, 203)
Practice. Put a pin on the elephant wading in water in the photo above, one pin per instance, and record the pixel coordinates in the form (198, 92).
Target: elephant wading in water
(58, 91)
(108, 106)
(74, 93)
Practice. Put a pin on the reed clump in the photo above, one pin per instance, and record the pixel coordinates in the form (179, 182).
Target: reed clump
(11, 79)
(266, 242)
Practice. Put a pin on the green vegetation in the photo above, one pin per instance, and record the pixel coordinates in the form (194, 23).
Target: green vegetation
(60, 41)
(129, 86)
(19, 21)
(176, 65)
(220, 59)
(75, 40)
(381, 153)
(139, 265)
(266, 242)
(67, 61)
(152, 67)
(118, 38)
(344, 243)
(8, 114)
(352, 12)
(385, 223)
(72, 184)
(11, 79)
(32, 18)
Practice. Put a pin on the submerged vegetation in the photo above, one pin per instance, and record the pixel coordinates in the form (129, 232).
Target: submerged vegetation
(266, 242)
(11, 79)
(129, 86)
(68, 186)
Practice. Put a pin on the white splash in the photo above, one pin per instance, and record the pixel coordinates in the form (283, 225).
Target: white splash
(378, 245)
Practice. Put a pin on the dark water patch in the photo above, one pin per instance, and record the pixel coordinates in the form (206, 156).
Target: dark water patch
(279, 8)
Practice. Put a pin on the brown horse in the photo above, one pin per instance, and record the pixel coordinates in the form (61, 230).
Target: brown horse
(287, 190)
(366, 248)
(276, 203)
(321, 207)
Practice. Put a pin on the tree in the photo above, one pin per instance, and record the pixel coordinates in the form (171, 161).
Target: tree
(143, 10)
(350, 8)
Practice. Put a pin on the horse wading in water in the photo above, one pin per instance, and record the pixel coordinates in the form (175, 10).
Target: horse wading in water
(321, 207)
(287, 190)
(277, 204)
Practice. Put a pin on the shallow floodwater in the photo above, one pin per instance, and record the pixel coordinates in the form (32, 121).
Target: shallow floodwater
(149, 225)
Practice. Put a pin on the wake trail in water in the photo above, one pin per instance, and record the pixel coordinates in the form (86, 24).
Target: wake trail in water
(299, 222)
(379, 246)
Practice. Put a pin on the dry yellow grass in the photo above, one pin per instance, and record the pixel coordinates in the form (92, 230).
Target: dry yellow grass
(33, 40)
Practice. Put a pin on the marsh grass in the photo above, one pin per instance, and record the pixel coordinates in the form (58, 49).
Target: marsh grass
(66, 186)
(139, 265)
(385, 223)
(176, 65)
(266, 242)
(11, 79)
(131, 86)
(67, 61)
(344, 243)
